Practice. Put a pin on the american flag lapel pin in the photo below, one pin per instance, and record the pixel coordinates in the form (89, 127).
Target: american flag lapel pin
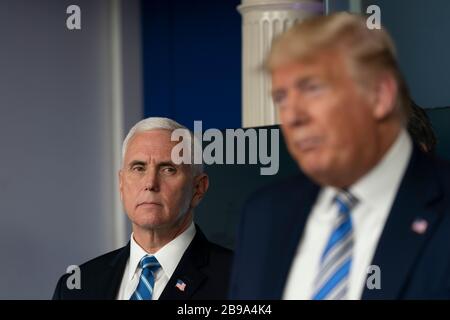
(419, 226)
(180, 285)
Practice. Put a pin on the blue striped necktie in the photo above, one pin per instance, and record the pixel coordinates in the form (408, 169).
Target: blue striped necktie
(331, 282)
(144, 290)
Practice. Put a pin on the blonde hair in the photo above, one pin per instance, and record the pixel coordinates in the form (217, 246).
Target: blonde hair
(368, 52)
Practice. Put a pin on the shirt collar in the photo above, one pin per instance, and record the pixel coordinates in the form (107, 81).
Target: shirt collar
(385, 177)
(168, 256)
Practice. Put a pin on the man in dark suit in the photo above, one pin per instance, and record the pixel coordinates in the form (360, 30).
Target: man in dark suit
(368, 216)
(168, 256)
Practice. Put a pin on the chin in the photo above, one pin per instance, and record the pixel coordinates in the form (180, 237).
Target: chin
(150, 225)
(316, 170)
(311, 162)
(148, 220)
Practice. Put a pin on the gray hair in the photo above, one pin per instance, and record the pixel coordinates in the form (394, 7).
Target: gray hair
(158, 123)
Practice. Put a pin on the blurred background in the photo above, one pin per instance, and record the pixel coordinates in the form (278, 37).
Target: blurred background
(68, 97)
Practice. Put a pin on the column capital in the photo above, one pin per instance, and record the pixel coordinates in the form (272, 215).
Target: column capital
(310, 6)
(262, 20)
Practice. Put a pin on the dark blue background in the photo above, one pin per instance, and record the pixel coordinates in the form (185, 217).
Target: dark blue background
(420, 29)
(192, 61)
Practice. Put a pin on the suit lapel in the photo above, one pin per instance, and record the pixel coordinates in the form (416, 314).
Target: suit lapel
(110, 280)
(297, 203)
(401, 242)
(188, 270)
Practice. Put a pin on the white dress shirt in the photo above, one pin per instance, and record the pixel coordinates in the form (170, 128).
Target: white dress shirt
(376, 192)
(168, 257)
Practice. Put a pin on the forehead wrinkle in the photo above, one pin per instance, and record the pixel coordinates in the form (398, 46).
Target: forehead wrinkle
(149, 147)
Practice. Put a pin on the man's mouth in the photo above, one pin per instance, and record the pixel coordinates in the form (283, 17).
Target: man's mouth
(307, 144)
(148, 204)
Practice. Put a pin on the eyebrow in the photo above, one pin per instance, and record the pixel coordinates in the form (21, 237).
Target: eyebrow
(298, 83)
(303, 81)
(136, 163)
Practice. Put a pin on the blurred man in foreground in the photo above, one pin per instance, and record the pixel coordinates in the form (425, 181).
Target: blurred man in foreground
(368, 216)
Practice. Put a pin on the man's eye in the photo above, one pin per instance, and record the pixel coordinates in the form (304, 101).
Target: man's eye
(169, 170)
(278, 98)
(138, 168)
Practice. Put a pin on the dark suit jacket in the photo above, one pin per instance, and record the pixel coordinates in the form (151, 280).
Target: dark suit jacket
(412, 265)
(204, 267)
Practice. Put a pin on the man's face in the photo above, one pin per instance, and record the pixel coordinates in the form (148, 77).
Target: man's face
(155, 192)
(326, 119)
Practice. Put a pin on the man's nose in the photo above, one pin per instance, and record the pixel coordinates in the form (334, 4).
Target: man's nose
(151, 181)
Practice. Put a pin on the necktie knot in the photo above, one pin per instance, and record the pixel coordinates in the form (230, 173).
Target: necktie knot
(150, 263)
(345, 201)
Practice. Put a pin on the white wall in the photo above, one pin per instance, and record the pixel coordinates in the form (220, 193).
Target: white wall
(57, 172)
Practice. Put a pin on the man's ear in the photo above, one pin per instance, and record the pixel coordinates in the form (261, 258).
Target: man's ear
(201, 185)
(386, 96)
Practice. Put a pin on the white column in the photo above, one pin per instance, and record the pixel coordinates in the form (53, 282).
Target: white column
(117, 108)
(262, 20)
(126, 92)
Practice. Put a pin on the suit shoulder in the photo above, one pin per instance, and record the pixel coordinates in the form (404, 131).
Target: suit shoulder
(100, 261)
(212, 254)
(97, 264)
(442, 165)
(90, 272)
(438, 167)
(221, 252)
(443, 173)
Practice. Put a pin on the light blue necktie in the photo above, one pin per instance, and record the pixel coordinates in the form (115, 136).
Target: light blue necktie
(144, 290)
(331, 282)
